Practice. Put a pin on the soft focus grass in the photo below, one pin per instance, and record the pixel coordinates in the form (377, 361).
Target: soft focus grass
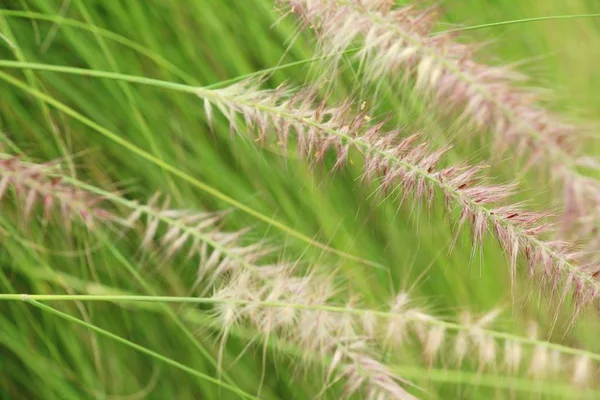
(202, 43)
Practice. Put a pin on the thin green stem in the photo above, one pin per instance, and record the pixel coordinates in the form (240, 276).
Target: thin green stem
(58, 19)
(266, 71)
(33, 80)
(137, 114)
(447, 375)
(180, 87)
(419, 317)
(518, 21)
(153, 56)
(167, 310)
(139, 348)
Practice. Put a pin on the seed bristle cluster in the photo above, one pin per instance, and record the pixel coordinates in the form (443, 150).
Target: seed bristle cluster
(402, 164)
(363, 370)
(267, 296)
(41, 185)
(400, 41)
(196, 234)
(306, 311)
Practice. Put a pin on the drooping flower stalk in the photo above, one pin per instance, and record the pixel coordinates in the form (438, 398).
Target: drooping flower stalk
(400, 42)
(402, 164)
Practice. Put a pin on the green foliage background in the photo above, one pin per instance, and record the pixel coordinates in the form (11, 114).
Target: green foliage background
(205, 42)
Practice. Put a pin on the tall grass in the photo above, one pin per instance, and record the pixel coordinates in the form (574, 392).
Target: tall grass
(298, 199)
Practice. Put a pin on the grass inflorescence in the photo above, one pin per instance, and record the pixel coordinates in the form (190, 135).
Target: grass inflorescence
(335, 199)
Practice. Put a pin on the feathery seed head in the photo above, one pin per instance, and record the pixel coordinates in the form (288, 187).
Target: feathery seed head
(42, 184)
(217, 252)
(397, 162)
(400, 41)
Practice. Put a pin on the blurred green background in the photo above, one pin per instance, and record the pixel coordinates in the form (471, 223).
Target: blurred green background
(204, 42)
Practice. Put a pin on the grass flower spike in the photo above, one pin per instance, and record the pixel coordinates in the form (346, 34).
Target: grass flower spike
(403, 166)
(400, 42)
(40, 183)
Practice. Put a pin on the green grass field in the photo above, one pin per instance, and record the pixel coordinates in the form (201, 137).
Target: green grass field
(109, 89)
